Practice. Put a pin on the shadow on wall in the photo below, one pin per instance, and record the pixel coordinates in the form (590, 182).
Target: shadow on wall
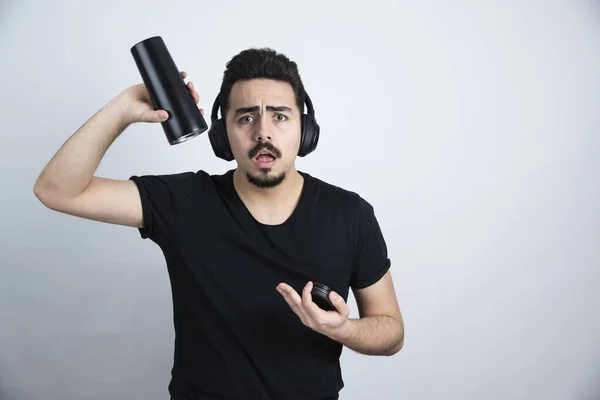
(6, 391)
(6, 6)
(7, 11)
(592, 385)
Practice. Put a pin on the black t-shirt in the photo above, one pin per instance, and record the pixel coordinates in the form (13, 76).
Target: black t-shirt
(235, 336)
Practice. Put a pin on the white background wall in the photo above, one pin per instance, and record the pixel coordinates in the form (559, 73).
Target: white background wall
(471, 126)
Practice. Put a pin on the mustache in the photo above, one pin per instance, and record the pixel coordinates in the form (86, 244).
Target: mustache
(264, 145)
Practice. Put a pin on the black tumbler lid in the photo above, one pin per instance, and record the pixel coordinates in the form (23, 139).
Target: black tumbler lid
(320, 296)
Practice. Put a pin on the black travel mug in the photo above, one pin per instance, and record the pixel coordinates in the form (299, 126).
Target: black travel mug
(167, 90)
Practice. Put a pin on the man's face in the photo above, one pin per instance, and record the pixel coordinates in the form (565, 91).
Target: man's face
(263, 127)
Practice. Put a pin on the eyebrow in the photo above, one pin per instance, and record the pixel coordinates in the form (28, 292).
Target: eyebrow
(252, 109)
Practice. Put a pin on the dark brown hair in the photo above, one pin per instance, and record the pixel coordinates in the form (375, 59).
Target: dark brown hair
(263, 63)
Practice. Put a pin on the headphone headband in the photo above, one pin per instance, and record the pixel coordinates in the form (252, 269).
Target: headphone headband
(215, 108)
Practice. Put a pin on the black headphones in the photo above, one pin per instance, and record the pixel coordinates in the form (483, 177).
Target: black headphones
(309, 133)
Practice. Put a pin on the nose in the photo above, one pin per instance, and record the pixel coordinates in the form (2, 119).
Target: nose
(262, 131)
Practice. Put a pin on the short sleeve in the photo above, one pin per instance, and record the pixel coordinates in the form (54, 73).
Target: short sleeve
(371, 260)
(163, 198)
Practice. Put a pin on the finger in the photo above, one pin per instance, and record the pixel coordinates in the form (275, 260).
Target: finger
(311, 308)
(202, 112)
(183, 74)
(290, 295)
(193, 93)
(306, 296)
(339, 303)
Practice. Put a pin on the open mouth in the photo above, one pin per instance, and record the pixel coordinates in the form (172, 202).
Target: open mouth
(265, 156)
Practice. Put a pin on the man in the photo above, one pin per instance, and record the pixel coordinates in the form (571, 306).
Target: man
(244, 248)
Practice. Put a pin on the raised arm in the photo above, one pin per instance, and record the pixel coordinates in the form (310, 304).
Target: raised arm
(68, 184)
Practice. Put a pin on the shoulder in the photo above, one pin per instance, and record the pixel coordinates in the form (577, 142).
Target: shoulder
(175, 190)
(178, 181)
(337, 195)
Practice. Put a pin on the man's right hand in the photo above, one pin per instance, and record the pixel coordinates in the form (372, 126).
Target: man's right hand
(139, 108)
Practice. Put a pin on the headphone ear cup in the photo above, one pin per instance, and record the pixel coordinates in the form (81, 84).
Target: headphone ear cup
(309, 135)
(218, 140)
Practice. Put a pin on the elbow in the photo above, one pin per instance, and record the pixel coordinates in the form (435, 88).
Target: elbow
(41, 193)
(38, 191)
(40, 187)
(45, 196)
(396, 349)
(398, 343)
(399, 347)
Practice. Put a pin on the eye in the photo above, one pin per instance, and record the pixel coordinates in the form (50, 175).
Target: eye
(280, 117)
(245, 119)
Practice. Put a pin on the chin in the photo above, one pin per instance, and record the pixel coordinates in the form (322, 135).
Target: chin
(265, 178)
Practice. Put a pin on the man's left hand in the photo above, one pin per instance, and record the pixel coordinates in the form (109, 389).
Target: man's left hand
(329, 323)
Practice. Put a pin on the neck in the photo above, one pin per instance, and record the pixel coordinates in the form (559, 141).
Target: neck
(288, 189)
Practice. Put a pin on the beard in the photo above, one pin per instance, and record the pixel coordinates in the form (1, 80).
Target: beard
(264, 179)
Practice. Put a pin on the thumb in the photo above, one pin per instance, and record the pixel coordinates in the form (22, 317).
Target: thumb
(154, 116)
(339, 303)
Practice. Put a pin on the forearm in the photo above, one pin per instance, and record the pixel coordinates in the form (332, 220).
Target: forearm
(374, 335)
(72, 167)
